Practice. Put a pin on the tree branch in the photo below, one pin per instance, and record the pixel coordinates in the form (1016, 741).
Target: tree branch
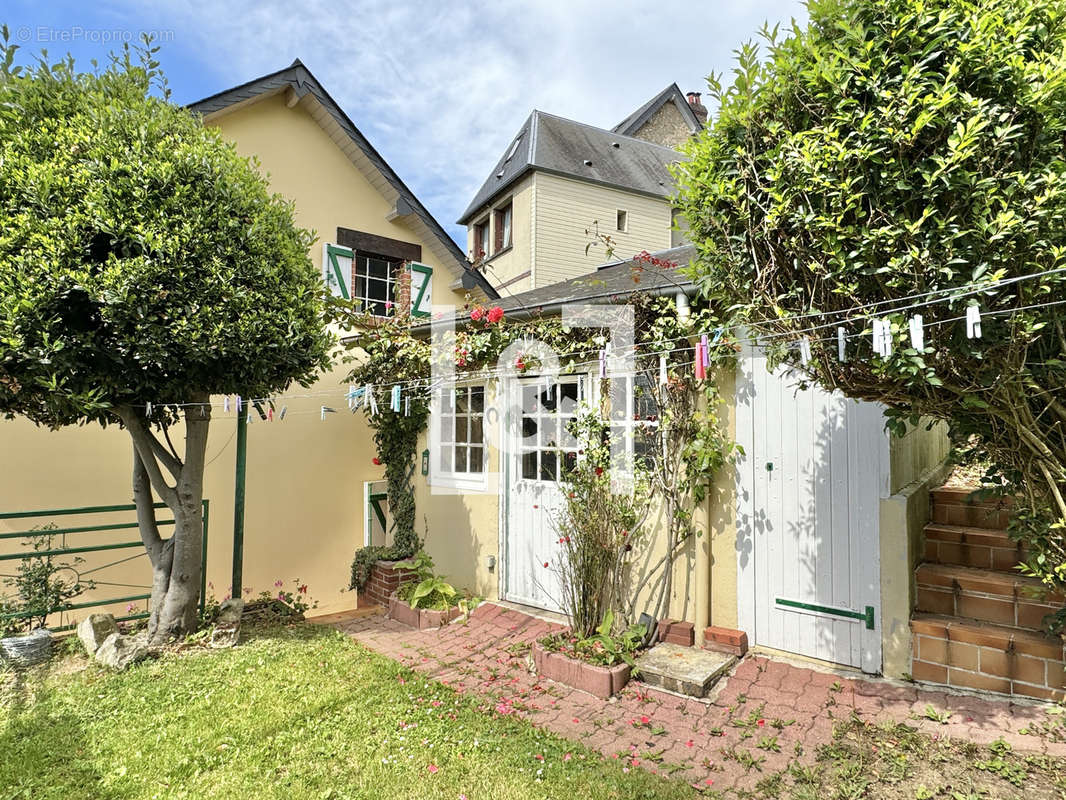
(143, 441)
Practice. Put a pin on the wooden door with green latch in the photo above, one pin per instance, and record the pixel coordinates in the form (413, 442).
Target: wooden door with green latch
(809, 486)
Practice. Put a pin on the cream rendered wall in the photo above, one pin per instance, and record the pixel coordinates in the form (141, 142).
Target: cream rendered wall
(566, 208)
(461, 528)
(918, 463)
(305, 165)
(304, 508)
(509, 264)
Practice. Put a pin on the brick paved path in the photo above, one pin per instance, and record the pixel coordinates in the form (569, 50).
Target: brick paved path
(701, 740)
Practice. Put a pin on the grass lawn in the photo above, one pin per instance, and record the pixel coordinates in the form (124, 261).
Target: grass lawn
(298, 712)
(305, 712)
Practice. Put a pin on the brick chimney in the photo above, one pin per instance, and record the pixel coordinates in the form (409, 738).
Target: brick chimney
(697, 107)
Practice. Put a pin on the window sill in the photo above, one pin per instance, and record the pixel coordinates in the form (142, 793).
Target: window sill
(459, 481)
(499, 253)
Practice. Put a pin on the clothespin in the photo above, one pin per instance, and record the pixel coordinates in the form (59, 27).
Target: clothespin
(327, 410)
(203, 409)
(351, 396)
(603, 363)
(284, 410)
(372, 400)
(841, 340)
(917, 332)
(270, 414)
(663, 378)
(701, 368)
(238, 404)
(249, 418)
(225, 404)
(368, 393)
(706, 351)
(973, 322)
(805, 351)
(882, 337)
(717, 335)
(407, 406)
(148, 409)
(396, 397)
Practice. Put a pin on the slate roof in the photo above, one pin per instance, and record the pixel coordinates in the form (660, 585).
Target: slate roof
(608, 283)
(562, 146)
(299, 78)
(671, 94)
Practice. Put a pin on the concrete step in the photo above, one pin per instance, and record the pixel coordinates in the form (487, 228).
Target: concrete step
(964, 546)
(1002, 598)
(685, 670)
(970, 654)
(952, 505)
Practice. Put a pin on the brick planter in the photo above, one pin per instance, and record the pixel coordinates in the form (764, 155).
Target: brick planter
(385, 578)
(599, 681)
(421, 618)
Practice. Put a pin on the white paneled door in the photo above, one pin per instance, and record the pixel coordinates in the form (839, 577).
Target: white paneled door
(809, 487)
(540, 448)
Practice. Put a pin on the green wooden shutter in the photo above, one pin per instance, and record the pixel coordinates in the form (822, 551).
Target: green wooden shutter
(337, 269)
(421, 290)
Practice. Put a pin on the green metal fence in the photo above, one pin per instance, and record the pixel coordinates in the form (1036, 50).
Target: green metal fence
(81, 549)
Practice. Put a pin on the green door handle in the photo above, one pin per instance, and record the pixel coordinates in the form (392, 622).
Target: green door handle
(769, 466)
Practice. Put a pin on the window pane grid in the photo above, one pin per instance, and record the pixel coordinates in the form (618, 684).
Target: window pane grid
(463, 430)
(374, 284)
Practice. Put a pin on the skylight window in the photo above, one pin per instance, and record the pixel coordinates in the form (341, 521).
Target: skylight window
(513, 150)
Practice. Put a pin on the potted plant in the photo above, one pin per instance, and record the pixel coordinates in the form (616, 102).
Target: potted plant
(42, 587)
(428, 601)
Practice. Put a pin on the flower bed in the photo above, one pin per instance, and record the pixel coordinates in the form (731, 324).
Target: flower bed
(421, 618)
(601, 681)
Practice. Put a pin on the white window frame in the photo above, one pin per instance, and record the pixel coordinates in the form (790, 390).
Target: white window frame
(622, 214)
(627, 423)
(390, 281)
(483, 253)
(442, 416)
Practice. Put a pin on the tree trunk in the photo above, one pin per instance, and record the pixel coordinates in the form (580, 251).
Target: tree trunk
(177, 562)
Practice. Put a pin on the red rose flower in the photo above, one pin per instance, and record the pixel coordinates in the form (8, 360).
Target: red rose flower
(599, 471)
(477, 314)
(495, 314)
(377, 461)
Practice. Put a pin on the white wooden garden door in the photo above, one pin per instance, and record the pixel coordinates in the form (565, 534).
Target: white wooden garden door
(809, 488)
(540, 448)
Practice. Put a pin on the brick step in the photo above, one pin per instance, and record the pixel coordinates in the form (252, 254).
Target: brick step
(963, 546)
(1001, 598)
(970, 654)
(951, 505)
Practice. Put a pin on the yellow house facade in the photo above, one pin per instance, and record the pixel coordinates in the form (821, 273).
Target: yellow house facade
(306, 472)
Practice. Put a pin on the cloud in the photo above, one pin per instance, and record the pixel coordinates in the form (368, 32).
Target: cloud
(440, 88)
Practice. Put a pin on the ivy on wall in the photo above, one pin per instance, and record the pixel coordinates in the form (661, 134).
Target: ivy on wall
(691, 430)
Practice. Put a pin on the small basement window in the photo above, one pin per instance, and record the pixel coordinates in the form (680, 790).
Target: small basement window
(622, 221)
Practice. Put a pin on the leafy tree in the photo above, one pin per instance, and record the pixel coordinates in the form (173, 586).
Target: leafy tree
(896, 147)
(144, 266)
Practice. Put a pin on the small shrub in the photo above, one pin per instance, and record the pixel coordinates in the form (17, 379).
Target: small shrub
(42, 585)
(427, 590)
(604, 648)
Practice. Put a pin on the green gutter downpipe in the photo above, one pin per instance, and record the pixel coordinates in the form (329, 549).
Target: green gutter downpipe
(236, 589)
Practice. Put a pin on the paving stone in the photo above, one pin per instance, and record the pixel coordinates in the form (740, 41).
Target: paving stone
(687, 670)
